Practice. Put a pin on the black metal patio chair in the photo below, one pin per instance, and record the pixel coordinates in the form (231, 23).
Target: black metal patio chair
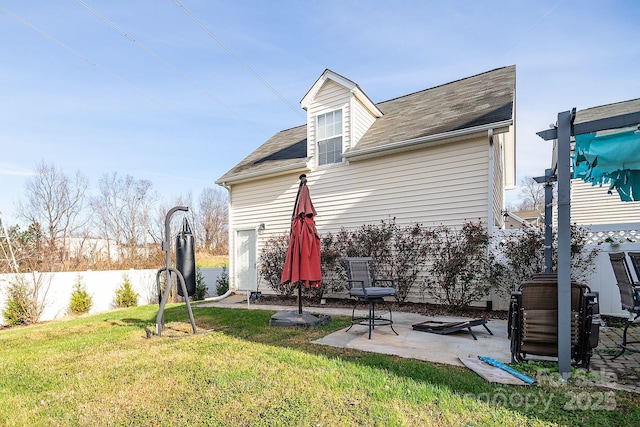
(533, 320)
(629, 297)
(635, 262)
(365, 287)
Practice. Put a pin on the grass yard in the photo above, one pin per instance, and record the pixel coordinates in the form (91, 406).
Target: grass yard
(206, 260)
(101, 370)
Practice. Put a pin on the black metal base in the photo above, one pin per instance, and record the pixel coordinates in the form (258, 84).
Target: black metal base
(294, 318)
(624, 345)
(371, 320)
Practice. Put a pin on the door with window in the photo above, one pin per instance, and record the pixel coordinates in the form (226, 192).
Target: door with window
(246, 271)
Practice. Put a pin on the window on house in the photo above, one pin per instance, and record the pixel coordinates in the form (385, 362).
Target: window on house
(329, 136)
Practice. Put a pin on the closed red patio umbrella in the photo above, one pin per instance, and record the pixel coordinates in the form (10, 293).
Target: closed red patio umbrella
(302, 263)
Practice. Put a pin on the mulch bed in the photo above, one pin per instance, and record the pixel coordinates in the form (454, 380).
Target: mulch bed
(426, 309)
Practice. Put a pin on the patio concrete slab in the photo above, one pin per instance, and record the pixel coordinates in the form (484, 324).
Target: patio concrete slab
(425, 346)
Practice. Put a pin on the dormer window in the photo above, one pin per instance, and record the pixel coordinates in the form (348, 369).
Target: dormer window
(329, 137)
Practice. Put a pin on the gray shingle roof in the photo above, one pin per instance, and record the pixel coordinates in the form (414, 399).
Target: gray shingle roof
(466, 103)
(265, 157)
(609, 110)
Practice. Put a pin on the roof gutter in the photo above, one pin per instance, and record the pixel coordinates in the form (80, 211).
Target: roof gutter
(255, 175)
(497, 127)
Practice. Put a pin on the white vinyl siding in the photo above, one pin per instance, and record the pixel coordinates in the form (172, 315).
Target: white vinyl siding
(330, 97)
(592, 205)
(509, 155)
(445, 184)
(361, 122)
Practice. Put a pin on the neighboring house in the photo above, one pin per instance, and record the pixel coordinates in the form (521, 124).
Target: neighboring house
(591, 204)
(438, 156)
(91, 249)
(522, 219)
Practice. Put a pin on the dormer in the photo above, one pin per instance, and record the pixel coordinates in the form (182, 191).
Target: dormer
(338, 114)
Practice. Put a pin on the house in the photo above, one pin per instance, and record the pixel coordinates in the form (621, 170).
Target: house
(613, 225)
(442, 155)
(523, 218)
(592, 204)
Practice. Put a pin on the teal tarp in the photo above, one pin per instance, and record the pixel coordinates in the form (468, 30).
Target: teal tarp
(612, 158)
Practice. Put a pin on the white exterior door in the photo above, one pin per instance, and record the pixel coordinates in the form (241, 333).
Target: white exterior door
(246, 273)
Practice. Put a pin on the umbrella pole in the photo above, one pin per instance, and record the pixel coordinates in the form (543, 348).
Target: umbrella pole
(303, 181)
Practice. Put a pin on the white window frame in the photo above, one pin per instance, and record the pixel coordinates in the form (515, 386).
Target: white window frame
(328, 134)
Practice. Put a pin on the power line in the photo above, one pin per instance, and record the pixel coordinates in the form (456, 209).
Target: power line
(238, 58)
(110, 73)
(163, 61)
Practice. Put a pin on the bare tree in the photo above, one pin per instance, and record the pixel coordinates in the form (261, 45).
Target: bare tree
(157, 231)
(212, 220)
(55, 202)
(122, 208)
(531, 195)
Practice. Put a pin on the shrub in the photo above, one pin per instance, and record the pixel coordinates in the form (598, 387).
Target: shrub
(201, 287)
(272, 260)
(17, 304)
(460, 270)
(222, 282)
(125, 295)
(399, 253)
(409, 256)
(333, 274)
(81, 301)
(25, 299)
(520, 254)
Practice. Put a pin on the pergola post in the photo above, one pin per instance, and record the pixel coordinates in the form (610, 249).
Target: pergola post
(565, 122)
(562, 132)
(548, 179)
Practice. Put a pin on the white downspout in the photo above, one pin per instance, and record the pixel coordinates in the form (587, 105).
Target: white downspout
(220, 297)
(490, 183)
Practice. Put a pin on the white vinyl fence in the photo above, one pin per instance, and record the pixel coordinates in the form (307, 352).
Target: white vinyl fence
(606, 238)
(101, 285)
(611, 238)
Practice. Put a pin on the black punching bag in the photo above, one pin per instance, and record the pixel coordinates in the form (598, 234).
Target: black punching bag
(185, 259)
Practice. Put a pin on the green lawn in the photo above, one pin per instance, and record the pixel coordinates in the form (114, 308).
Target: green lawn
(102, 370)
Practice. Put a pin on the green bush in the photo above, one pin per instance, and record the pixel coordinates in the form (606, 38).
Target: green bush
(460, 272)
(519, 255)
(201, 287)
(222, 282)
(125, 295)
(25, 299)
(399, 253)
(272, 260)
(81, 301)
(15, 309)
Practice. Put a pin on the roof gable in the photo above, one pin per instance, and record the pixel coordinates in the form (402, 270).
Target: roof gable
(342, 81)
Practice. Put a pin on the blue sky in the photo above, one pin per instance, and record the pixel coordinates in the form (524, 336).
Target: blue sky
(178, 92)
